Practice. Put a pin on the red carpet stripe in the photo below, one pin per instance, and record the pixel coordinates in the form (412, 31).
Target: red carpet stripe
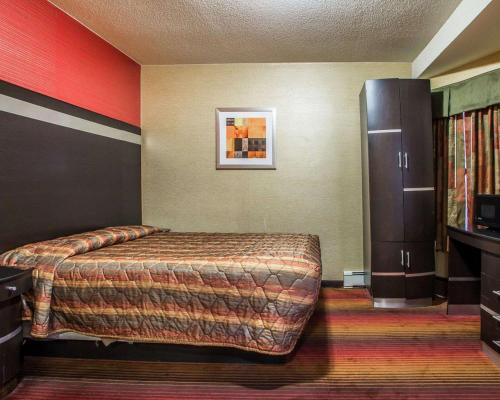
(349, 351)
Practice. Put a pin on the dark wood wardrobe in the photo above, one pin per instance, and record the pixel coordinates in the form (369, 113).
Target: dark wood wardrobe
(398, 191)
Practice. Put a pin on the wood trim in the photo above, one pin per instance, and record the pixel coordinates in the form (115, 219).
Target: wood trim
(492, 354)
(489, 311)
(440, 287)
(9, 386)
(332, 283)
(464, 278)
(420, 274)
(475, 239)
(383, 131)
(11, 335)
(463, 309)
(147, 352)
(418, 189)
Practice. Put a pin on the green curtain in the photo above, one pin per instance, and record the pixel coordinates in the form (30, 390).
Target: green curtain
(476, 93)
(472, 94)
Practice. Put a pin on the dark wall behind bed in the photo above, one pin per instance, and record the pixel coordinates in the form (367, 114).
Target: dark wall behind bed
(79, 172)
(70, 144)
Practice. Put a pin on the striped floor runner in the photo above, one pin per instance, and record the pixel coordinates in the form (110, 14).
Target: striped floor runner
(350, 351)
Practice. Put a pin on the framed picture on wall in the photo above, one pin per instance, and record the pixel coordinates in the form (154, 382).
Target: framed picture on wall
(245, 138)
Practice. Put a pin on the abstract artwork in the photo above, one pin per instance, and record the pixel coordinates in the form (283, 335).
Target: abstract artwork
(245, 138)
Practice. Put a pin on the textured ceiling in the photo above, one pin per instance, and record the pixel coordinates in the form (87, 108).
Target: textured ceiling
(230, 31)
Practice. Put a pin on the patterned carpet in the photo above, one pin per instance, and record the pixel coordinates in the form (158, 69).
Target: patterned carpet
(350, 351)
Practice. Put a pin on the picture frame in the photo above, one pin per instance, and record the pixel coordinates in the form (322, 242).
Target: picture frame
(245, 138)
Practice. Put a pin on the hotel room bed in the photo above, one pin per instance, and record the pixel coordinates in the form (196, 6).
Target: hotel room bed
(255, 292)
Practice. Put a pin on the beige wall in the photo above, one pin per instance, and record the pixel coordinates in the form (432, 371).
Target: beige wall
(317, 185)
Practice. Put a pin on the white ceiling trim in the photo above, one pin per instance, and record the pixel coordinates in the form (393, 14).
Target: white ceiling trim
(466, 12)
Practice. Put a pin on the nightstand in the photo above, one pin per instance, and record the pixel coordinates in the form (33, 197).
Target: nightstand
(13, 283)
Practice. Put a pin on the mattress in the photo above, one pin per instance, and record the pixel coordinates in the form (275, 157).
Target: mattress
(255, 292)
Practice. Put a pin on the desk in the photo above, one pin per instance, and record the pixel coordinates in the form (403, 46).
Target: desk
(474, 281)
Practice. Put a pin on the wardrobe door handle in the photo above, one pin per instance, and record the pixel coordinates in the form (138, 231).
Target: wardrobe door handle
(399, 159)
(402, 258)
(408, 259)
(406, 160)
(496, 343)
(496, 292)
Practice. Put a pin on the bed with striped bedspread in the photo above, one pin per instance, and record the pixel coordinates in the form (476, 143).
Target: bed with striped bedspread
(255, 292)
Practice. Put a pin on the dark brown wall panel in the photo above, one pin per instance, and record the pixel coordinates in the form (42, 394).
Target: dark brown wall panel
(56, 180)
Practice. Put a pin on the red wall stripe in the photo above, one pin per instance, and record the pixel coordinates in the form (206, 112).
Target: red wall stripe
(45, 50)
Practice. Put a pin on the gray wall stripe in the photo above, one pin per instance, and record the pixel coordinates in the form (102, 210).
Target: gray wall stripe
(29, 110)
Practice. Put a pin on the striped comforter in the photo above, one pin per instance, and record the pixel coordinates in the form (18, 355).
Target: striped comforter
(250, 291)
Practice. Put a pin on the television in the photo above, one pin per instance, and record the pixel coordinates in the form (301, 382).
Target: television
(487, 211)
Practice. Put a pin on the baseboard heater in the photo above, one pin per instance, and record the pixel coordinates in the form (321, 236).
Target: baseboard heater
(353, 279)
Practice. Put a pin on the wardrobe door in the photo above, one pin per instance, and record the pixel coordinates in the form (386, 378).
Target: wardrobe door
(419, 269)
(382, 104)
(388, 257)
(416, 126)
(419, 215)
(388, 275)
(386, 192)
